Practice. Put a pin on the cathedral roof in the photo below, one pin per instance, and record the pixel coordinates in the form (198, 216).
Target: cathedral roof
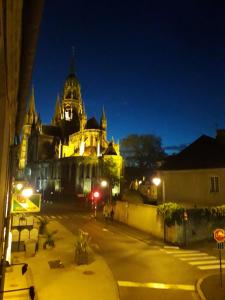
(110, 150)
(92, 124)
(51, 130)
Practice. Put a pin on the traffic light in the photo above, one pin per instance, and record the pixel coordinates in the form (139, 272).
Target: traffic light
(96, 194)
(24, 268)
(31, 292)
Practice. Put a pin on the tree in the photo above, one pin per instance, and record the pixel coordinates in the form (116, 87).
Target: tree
(111, 171)
(142, 151)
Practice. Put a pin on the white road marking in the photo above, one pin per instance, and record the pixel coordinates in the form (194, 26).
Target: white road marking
(155, 285)
(53, 217)
(104, 229)
(60, 217)
(181, 251)
(190, 254)
(211, 267)
(206, 262)
(171, 247)
(196, 258)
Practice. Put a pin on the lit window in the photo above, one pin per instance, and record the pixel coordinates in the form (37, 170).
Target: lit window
(214, 184)
(67, 115)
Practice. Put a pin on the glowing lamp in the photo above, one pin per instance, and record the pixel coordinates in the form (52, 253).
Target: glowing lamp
(96, 194)
(27, 192)
(104, 183)
(19, 186)
(156, 181)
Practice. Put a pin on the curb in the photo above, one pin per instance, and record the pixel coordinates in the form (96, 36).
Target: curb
(198, 287)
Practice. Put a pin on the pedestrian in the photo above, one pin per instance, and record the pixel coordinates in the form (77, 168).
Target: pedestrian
(112, 213)
(105, 212)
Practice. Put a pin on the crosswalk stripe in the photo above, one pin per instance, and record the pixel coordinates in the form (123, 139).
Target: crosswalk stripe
(60, 217)
(171, 247)
(211, 267)
(197, 258)
(190, 254)
(205, 262)
(182, 251)
(53, 217)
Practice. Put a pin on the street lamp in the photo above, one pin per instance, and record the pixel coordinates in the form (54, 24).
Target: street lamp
(104, 183)
(156, 181)
(27, 192)
(19, 186)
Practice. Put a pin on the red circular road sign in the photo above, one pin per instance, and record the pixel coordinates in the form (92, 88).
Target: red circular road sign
(219, 235)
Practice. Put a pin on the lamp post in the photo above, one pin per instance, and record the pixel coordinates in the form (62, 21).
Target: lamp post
(157, 181)
(105, 184)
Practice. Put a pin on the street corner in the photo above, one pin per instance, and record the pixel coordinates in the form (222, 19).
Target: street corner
(211, 287)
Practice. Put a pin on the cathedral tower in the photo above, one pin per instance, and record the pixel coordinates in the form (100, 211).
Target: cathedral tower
(103, 124)
(31, 118)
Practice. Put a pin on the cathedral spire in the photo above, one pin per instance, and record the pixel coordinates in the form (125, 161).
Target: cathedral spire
(31, 107)
(103, 120)
(31, 116)
(57, 114)
(83, 107)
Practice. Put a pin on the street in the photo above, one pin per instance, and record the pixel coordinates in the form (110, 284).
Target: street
(143, 267)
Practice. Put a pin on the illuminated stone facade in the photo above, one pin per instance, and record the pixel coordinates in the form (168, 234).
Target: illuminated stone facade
(71, 154)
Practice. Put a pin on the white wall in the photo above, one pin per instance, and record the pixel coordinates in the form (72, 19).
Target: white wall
(145, 218)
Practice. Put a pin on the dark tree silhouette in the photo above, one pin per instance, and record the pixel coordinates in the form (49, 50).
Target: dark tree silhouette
(142, 151)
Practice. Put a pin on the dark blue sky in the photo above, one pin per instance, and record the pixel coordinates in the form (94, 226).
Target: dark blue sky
(157, 66)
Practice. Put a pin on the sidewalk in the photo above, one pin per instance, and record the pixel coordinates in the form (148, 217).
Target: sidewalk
(209, 287)
(68, 282)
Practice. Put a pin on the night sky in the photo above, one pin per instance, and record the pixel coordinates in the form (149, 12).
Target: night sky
(157, 67)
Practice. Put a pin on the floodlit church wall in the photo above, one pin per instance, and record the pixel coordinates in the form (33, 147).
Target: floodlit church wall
(67, 150)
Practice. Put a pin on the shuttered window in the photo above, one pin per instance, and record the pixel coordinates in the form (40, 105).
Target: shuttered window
(214, 184)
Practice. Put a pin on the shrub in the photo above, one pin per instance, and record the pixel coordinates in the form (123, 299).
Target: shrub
(49, 239)
(171, 212)
(42, 221)
(81, 247)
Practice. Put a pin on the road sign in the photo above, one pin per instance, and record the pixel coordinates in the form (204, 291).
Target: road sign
(219, 235)
(26, 204)
(220, 246)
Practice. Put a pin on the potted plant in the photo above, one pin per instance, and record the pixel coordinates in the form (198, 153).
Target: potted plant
(42, 221)
(49, 242)
(81, 248)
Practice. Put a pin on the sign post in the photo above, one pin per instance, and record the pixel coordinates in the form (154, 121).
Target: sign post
(219, 236)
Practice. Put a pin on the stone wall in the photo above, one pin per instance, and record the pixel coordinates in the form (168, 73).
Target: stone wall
(145, 218)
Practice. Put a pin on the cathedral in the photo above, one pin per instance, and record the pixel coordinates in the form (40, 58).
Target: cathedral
(72, 154)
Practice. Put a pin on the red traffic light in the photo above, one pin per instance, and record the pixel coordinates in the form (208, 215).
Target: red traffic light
(96, 194)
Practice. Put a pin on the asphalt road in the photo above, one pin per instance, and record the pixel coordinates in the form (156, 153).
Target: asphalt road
(143, 267)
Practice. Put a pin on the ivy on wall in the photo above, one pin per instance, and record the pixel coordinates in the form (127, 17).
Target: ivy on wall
(173, 213)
